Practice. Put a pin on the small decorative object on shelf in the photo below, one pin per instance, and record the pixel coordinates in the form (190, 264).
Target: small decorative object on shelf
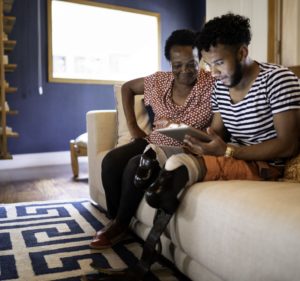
(6, 45)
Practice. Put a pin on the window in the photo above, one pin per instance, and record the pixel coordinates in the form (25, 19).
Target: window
(98, 43)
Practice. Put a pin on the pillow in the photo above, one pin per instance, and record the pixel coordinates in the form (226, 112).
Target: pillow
(292, 170)
(140, 113)
(82, 140)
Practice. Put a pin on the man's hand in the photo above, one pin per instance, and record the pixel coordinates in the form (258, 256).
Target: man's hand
(215, 147)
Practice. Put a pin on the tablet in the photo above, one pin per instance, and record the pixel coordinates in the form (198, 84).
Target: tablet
(178, 133)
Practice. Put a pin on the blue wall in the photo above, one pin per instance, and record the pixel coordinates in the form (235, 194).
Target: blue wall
(47, 122)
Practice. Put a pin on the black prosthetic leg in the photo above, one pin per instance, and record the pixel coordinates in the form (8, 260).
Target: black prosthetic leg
(162, 195)
(149, 255)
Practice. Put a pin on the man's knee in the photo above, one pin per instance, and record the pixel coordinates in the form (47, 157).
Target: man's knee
(194, 166)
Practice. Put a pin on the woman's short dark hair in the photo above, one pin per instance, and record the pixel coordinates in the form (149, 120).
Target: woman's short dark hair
(181, 37)
(229, 29)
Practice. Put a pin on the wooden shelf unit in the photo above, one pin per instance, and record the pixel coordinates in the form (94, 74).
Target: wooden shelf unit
(6, 45)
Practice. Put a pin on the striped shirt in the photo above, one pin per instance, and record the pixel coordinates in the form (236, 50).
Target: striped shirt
(250, 121)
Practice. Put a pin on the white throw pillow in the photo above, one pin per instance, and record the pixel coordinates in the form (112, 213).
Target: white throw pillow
(82, 140)
(140, 112)
(292, 170)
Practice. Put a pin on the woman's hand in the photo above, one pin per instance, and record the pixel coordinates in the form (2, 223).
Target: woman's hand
(215, 147)
(137, 133)
(162, 123)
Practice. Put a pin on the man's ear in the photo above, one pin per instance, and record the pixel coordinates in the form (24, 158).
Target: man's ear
(243, 52)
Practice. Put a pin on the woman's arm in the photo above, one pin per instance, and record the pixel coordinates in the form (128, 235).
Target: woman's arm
(129, 90)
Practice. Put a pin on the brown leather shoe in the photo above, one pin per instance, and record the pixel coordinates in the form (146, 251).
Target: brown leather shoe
(109, 236)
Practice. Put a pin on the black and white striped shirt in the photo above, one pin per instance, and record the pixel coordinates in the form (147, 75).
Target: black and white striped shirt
(250, 121)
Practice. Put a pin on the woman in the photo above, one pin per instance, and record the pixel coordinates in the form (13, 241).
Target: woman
(180, 96)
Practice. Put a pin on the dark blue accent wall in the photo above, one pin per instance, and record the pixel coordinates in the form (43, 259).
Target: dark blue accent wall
(47, 122)
(198, 14)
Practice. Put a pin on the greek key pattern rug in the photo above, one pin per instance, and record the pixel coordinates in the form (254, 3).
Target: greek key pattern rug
(50, 241)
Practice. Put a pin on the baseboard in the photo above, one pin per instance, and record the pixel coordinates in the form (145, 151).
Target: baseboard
(38, 159)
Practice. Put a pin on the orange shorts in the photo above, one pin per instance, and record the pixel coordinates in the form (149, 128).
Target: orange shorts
(227, 168)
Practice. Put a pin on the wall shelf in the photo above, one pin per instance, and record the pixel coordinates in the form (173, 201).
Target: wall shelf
(10, 135)
(11, 90)
(10, 67)
(11, 112)
(13, 135)
(8, 23)
(9, 45)
(7, 5)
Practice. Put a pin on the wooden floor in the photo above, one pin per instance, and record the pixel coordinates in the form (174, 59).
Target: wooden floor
(43, 183)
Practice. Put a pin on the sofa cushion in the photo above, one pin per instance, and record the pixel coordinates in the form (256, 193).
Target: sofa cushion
(140, 112)
(292, 170)
(238, 230)
(242, 230)
(82, 140)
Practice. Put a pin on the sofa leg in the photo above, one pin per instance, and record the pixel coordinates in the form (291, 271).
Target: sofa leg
(74, 158)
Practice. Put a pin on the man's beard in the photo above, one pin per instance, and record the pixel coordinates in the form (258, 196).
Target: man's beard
(237, 76)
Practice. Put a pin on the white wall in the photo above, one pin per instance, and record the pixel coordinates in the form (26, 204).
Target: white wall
(290, 33)
(256, 11)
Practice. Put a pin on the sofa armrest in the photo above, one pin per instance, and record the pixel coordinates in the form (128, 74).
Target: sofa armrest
(102, 136)
(102, 131)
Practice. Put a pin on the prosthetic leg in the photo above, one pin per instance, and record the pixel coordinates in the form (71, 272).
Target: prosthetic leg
(162, 195)
(149, 255)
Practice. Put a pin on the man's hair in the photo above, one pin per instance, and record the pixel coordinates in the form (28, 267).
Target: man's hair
(229, 29)
(181, 37)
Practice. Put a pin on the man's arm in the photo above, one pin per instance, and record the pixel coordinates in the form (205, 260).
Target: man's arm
(218, 126)
(129, 90)
(286, 144)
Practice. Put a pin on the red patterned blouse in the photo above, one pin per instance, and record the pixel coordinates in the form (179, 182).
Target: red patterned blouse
(195, 112)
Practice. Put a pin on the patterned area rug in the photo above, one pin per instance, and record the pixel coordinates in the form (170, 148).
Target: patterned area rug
(50, 241)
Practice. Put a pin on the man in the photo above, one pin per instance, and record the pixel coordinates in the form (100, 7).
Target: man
(256, 106)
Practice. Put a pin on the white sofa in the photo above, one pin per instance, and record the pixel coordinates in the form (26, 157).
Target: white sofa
(223, 230)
